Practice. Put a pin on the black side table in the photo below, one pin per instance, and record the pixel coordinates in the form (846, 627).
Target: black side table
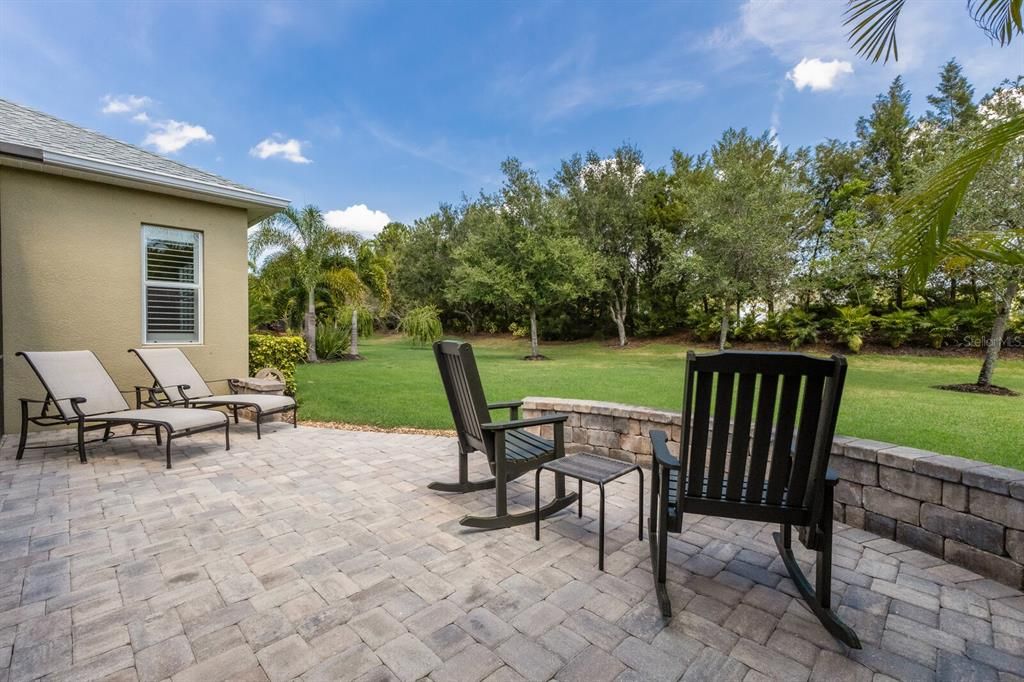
(596, 470)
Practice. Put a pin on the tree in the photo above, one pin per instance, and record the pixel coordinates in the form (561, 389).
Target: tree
(953, 102)
(925, 217)
(300, 242)
(605, 197)
(518, 252)
(885, 138)
(989, 224)
(747, 209)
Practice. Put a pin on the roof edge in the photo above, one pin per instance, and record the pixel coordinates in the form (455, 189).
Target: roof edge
(89, 165)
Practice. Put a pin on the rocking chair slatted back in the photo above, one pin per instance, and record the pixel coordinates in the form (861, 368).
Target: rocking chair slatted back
(465, 394)
(768, 437)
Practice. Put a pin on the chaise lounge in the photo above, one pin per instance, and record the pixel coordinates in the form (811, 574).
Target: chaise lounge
(80, 392)
(176, 382)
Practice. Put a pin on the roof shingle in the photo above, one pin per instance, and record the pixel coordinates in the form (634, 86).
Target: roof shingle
(28, 127)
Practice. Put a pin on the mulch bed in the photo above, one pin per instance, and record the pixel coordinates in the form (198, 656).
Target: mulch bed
(977, 388)
(342, 426)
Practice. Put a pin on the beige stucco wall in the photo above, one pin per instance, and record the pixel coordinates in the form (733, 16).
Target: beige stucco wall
(71, 255)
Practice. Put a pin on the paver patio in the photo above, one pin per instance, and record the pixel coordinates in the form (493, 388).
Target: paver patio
(321, 554)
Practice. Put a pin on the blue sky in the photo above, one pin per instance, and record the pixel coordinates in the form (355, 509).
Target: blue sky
(368, 109)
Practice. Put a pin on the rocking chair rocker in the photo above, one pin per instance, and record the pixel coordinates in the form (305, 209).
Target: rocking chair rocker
(767, 460)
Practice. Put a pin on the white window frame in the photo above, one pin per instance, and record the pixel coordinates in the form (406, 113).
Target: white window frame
(197, 286)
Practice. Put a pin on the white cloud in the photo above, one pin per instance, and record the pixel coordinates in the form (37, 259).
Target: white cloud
(290, 149)
(124, 104)
(818, 75)
(170, 135)
(358, 218)
(141, 117)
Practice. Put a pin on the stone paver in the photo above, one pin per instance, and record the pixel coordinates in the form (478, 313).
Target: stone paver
(321, 555)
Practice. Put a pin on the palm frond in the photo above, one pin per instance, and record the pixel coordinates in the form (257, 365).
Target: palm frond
(923, 218)
(269, 236)
(873, 28)
(1000, 19)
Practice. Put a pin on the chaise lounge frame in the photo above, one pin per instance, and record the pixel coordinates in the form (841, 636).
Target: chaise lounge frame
(197, 394)
(84, 421)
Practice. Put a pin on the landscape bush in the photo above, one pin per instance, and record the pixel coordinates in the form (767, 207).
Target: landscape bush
(280, 352)
(850, 325)
(898, 326)
(422, 325)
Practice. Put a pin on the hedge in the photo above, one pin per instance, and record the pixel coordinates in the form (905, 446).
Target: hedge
(282, 352)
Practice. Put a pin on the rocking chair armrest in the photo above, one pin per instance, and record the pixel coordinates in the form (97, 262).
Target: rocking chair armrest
(524, 423)
(512, 406)
(509, 404)
(659, 443)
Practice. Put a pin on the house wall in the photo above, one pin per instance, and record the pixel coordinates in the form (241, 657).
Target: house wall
(71, 264)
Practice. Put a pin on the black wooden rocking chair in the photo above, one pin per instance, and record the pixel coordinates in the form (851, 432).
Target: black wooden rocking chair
(511, 450)
(766, 459)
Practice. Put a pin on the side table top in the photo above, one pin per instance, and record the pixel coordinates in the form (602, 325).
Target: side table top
(590, 468)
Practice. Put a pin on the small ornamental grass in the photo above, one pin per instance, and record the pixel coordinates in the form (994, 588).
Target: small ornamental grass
(422, 325)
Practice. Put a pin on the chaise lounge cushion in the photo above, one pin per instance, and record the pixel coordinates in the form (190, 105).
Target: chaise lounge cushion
(266, 402)
(179, 418)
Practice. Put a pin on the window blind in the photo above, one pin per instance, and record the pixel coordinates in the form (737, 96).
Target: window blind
(172, 286)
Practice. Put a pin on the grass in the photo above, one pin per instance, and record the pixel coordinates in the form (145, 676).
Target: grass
(887, 398)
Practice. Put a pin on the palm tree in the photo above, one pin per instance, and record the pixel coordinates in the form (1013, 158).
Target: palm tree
(307, 247)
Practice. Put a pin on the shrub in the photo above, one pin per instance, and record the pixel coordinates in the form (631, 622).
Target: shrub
(332, 340)
(898, 326)
(282, 352)
(518, 331)
(422, 325)
(707, 326)
(799, 327)
(749, 329)
(976, 320)
(851, 325)
(940, 325)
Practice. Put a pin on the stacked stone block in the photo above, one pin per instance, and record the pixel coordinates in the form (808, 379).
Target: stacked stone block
(969, 513)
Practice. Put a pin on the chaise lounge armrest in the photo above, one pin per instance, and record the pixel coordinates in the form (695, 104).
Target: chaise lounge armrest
(659, 443)
(524, 423)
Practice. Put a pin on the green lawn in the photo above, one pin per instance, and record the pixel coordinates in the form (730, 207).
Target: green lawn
(887, 397)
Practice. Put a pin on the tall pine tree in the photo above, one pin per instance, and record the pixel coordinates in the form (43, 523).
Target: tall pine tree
(953, 102)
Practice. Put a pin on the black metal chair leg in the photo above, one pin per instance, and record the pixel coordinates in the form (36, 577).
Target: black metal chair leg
(24, 430)
(600, 540)
(106, 434)
(159, 439)
(81, 441)
(234, 409)
(295, 417)
(640, 514)
(168, 445)
(259, 419)
(227, 434)
(536, 506)
(579, 513)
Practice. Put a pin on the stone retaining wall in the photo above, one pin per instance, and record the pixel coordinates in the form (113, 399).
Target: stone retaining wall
(969, 513)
